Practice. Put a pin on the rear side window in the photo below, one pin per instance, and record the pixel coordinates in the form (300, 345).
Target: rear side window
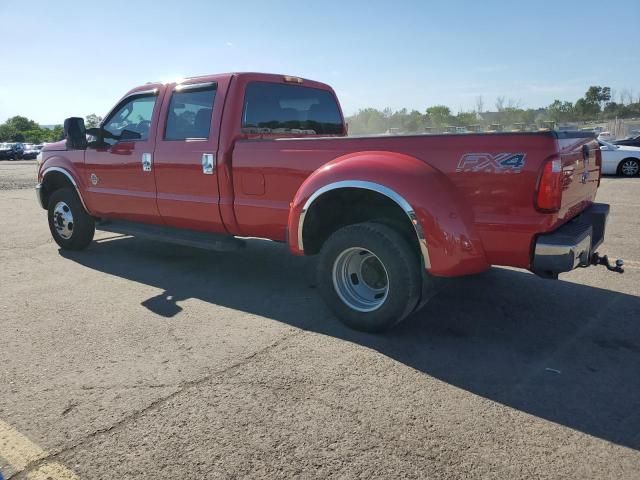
(189, 114)
(280, 108)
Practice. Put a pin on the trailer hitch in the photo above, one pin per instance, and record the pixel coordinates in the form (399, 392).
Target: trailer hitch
(596, 259)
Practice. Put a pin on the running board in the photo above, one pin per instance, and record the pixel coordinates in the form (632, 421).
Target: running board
(188, 238)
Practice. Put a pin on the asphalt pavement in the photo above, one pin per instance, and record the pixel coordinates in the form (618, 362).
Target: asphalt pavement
(136, 359)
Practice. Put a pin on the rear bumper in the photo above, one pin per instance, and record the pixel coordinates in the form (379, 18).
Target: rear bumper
(571, 245)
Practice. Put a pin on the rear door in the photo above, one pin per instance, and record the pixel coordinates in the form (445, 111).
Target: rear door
(185, 160)
(119, 175)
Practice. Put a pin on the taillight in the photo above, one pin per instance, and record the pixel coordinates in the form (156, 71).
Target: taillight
(549, 198)
(599, 164)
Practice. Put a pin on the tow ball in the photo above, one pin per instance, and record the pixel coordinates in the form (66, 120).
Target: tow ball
(604, 260)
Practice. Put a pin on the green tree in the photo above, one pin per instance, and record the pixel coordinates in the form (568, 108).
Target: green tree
(14, 129)
(21, 129)
(7, 132)
(560, 111)
(599, 95)
(439, 115)
(369, 120)
(586, 110)
(415, 122)
(464, 119)
(22, 124)
(92, 120)
(529, 116)
(55, 134)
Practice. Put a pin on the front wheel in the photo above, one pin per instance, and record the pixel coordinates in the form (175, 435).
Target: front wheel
(629, 167)
(71, 226)
(369, 275)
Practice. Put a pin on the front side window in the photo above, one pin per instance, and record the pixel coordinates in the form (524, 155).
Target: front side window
(281, 108)
(134, 115)
(190, 112)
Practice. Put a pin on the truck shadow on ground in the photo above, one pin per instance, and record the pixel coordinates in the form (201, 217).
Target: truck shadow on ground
(564, 352)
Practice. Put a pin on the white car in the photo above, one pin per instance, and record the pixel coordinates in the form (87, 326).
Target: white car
(619, 159)
(606, 136)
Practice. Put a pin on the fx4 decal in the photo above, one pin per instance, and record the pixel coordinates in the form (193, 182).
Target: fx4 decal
(492, 163)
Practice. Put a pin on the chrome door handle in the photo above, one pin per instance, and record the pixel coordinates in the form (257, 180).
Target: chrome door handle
(146, 162)
(208, 163)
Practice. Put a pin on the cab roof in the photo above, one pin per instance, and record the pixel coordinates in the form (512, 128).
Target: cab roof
(272, 77)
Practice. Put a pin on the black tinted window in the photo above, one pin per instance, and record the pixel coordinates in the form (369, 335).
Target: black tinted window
(279, 108)
(189, 114)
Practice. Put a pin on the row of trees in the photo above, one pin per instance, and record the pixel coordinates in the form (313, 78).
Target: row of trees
(596, 105)
(371, 120)
(21, 129)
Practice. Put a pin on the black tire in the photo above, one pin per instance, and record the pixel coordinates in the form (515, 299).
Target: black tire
(627, 161)
(401, 264)
(82, 225)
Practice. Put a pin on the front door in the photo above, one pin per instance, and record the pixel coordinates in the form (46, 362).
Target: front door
(119, 169)
(185, 157)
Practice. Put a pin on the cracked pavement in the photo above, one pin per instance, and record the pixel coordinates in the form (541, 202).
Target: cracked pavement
(136, 359)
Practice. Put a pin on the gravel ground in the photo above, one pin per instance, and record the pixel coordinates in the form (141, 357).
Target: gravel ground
(135, 359)
(17, 174)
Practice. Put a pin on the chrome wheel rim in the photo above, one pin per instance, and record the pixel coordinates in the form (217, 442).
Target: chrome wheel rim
(360, 279)
(630, 168)
(63, 220)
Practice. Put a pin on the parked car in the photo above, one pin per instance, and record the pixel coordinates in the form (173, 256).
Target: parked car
(260, 155)
(31, 151)
(11, 151)
(619, 159)
(633, 141)
(606, 136)
(6, 149)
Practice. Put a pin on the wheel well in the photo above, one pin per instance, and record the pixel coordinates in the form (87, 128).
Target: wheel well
(53, 181)
(346, 206)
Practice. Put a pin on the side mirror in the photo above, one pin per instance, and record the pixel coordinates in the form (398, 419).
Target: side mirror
(75, 133)
(129, 135)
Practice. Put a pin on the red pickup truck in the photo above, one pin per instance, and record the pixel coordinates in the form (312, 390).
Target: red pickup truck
(208, 160)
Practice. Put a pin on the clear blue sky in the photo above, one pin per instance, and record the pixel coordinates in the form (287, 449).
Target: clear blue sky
(63, 58)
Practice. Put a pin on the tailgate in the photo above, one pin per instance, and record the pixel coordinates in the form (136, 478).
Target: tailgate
(581, 174)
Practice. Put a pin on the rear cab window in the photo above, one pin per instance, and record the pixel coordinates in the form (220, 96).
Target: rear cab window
(190, 111)
(272, 108)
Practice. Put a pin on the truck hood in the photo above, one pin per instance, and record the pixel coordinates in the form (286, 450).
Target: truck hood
(55, 146)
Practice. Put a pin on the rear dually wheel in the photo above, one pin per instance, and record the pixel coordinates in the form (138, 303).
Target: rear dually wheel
(369, 275)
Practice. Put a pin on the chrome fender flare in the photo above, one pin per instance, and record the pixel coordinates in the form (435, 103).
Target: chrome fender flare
(67, 174)
(376, 187)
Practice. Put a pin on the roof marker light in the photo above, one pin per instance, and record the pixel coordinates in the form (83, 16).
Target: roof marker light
(290, 79)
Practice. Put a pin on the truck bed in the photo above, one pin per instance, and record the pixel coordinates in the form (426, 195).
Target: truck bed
(501, 201)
